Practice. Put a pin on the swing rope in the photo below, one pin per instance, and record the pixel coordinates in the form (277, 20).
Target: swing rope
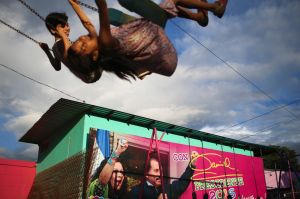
(154, 138)
(236, 174)
(226, 182)
(261, 156)
(205, 195)
(253, 174)
(194, 196)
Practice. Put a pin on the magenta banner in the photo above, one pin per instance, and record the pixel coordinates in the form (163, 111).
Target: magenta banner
(212, 172)
(243, 175)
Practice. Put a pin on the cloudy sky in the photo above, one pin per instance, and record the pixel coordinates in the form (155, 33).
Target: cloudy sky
(240, 79)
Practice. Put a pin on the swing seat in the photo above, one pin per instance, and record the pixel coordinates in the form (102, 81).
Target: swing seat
(147, 9)
(117, 18)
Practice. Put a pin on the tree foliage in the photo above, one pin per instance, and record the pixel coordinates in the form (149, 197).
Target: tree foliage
(279, 159)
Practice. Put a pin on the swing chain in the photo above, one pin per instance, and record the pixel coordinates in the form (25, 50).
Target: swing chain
(19, 31)
(42, 18)
(31, 9)
(87, 6)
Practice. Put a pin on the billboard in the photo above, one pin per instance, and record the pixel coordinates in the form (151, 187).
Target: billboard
(121, 166)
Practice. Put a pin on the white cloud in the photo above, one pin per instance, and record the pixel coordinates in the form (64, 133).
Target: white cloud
(21, 124)
(180, 115)
(239, 133)
(4, 153)
(31, 152)
(203, 92)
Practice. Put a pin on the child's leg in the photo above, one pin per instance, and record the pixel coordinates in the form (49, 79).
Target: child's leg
(218, 7)
(197, 4)
(147, 9)
(201, 16)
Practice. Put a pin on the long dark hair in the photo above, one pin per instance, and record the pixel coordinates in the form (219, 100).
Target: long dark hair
(82, 64)
(115, 64)
(119, 66)
(112, 193)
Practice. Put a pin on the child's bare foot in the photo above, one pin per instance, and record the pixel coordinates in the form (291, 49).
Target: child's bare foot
(220, 8)
(204, 20)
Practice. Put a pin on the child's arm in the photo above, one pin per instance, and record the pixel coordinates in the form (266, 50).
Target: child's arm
(53, 60)
(105, 39)
(83, 18)
(65, 39)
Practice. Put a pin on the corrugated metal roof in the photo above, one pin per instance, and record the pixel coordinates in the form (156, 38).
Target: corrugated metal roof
(66, 111)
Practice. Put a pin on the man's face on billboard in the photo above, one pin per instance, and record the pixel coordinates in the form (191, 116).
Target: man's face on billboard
(154, 173)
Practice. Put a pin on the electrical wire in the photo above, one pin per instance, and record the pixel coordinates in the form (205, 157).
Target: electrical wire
(263, 114)
(41, 83)
(231, 67)
(267, 128)
(193, 38)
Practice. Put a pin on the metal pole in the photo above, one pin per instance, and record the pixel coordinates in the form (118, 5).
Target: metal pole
(291, 179)
(277, 183)
(280, 172)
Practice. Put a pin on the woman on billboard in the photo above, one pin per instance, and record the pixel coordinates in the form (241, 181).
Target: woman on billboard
(109, 180)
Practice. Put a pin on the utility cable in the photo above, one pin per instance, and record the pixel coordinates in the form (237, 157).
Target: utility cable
(197, 41)
(41, 83)
(266, 128)
(232, 68)
(263, 114)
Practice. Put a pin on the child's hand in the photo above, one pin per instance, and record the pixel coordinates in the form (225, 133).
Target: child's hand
(73, 1)
(100, 2)
(44, 46)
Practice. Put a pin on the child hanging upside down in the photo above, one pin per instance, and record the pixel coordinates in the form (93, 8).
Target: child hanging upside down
(135, 49)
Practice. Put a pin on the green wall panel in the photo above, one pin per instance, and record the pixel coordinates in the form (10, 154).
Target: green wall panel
(119, 127)
(73, 137)
(65, 143)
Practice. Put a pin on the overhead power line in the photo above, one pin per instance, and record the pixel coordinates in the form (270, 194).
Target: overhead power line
(41, 83)
(197, 41)
(232, 68)
(256, 133)
(263, 114)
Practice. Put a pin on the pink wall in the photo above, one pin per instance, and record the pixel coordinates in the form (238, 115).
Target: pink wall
(16, 178)
(244, 174)
(285, 181)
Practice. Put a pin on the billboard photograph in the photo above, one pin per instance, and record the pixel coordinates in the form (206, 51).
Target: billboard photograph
(128, 166)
